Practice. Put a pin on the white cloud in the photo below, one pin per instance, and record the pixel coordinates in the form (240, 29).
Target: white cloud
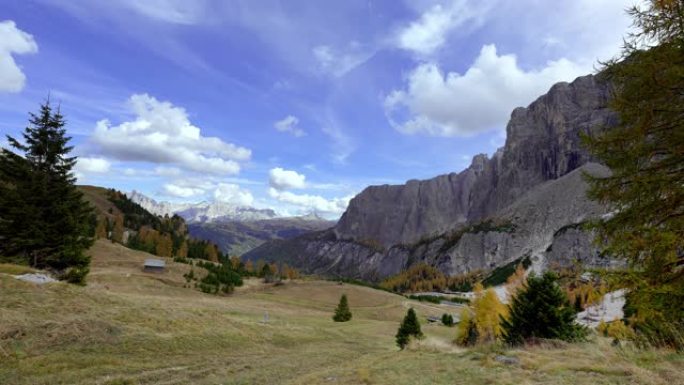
(162, 133)
(427, 34)
(480, 100)
(234, 194)
(281, 179)
(170, 11)
(181, 191)
(342, 144)
(311, 202)
(13, 41)
(167, 171)
(338, 62)
(289, 124)
(85, 165)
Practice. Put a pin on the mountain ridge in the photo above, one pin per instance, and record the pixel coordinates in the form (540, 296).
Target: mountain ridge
(543, 145)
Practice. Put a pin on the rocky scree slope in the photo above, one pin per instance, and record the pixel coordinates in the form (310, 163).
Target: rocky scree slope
(528, 200)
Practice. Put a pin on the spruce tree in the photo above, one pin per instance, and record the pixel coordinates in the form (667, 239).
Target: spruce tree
(541, 310)
(342, 312)
(44, 219)
(645, 152)
(409, 327)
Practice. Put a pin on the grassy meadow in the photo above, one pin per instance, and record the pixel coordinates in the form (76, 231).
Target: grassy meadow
(130, 327)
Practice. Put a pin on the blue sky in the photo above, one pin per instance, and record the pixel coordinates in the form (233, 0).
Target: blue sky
(292, 105)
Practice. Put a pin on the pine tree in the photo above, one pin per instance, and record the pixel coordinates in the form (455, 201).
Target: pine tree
(409, 327)
(342, 312)
(447, 320)
(541, 310)
(44, 218)
(645, 153)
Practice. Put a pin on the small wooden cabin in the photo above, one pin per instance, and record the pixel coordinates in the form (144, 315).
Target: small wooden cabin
(153, 265)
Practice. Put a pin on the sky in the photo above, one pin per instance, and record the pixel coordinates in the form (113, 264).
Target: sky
(291, 105)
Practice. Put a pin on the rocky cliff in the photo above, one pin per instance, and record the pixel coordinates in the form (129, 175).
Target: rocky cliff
(526, 200)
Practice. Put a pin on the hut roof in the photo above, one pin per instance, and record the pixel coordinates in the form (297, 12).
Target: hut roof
(150, 262)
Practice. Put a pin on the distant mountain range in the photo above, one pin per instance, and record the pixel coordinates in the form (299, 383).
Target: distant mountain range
(235, 229)
(203, 211)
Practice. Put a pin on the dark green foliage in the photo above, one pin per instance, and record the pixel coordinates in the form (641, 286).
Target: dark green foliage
(342, 312)
(219, 278)
(447, 320)
(541, 310)
(438, 298)
(501, 273)
(266, 272)
(409, 327)
(44, 218)
(135, 216)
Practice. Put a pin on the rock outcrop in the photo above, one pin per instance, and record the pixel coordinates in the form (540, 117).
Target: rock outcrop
(517, 203)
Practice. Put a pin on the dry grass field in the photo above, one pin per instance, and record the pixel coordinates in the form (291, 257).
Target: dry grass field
(129, 327)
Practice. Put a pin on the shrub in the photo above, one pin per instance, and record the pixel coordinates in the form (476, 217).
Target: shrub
(447, 320)
(342, 313)
(409, 327)
(541, 310)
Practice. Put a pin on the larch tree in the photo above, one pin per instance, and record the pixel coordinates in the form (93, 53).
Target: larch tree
(645, 153)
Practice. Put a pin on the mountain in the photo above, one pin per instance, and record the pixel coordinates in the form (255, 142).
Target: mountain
(235, 229)
(527, 200)
(203, 211)
(238, 237)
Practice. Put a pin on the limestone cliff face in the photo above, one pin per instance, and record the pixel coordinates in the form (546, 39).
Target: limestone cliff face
(527, 192)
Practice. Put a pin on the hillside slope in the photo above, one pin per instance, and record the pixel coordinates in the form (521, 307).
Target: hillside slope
(475, 219)
(130, 327)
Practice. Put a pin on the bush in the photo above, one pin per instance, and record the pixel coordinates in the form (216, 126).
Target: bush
(342, 313)
(409, 327)
(541, 310)
(76, 275)
(447, 320)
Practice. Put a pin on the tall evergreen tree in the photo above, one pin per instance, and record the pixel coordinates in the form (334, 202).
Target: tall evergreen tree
(540, 310)
(342, 313)
(645, 153)
(409, 327)
(44, 218)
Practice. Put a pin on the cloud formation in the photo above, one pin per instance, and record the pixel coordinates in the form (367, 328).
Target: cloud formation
(233, 194)
(13, 41)
(281, 179)
(162, 133)
(289, 124)
(92, 165)
(480, 100)
(181, 191)
(338, 62)
(315, 203)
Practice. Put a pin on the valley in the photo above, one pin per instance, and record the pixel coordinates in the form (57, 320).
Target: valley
(130, 327)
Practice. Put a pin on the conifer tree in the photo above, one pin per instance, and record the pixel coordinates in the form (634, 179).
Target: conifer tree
(541, 310)
(409, 327)
(645, 152)
(44, 218)
(342, 312)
